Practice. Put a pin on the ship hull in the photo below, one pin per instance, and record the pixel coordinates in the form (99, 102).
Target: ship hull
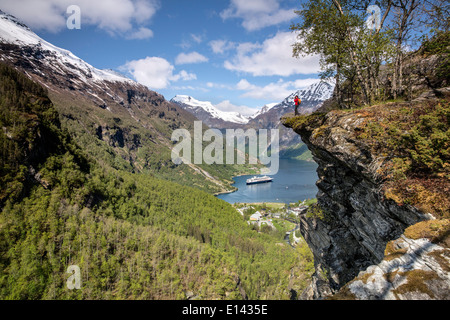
(259, 182)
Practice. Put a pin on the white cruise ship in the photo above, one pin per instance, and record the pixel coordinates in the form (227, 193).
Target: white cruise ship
(256, 180)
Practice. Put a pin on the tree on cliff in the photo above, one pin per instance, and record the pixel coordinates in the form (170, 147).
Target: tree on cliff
(322, 31)
(353, 51)
(336, 30)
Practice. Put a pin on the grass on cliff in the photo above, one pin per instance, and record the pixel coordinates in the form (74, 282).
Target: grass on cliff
(300, 122)
(415, 139)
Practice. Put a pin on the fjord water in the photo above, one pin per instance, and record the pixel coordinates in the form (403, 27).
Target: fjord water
(295, 180)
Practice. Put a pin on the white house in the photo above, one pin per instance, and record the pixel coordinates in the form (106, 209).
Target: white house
(256, 216)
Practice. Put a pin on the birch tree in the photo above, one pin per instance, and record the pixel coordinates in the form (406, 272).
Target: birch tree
(336, 30)
(322, 31)
(403, 23)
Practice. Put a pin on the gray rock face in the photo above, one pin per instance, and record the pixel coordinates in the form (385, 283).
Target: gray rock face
(396, 279)
(358, 221)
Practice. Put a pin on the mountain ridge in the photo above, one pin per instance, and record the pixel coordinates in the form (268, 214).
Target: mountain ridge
(291, 145)
(13, 31)
(207, 112)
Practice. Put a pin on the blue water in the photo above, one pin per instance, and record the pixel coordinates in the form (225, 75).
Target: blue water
(295, 181)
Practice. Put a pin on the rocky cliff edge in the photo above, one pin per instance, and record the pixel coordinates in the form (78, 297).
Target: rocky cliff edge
(381, 227)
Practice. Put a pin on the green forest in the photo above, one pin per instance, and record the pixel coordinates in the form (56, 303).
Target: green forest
(133, 235)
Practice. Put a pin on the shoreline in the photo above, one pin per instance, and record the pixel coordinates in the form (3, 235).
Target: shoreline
(266, 203)
(236, 189)
(225, 192)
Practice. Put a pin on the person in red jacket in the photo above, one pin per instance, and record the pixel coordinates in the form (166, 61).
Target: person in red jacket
(297, 102)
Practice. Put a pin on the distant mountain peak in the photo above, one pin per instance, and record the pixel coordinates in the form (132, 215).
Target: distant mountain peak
(318, 91)
(312, 98)
(205, 109)
(264, 109)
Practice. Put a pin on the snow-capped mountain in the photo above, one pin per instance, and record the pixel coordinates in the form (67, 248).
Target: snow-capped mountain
(268, 117)
(312, 97)
(264, 109)
(208, 113)
(14, 32)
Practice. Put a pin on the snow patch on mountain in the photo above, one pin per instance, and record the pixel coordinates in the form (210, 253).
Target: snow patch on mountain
(264, 109)
(312, 98)
(191, 104)
(319, 91)
(15, 32)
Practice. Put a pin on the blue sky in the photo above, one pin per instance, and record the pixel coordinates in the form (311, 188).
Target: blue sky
(234, 53)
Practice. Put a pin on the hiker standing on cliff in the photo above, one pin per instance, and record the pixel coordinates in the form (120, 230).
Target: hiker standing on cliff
(297, 102)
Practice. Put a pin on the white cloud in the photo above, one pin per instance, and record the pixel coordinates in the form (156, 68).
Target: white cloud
(188, 58)
(197, 38)
(155, 73)
(227, 106)
(145, 9)
(245, 85)
(117, 17)
(219, 86)
(142, 33)
(276, 91)
(257, 14)
(190, 88)
(183, 75)
(272, 58)
(221, 46)
(188, 42)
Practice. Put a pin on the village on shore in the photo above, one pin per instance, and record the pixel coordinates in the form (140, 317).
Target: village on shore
(279, 218)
